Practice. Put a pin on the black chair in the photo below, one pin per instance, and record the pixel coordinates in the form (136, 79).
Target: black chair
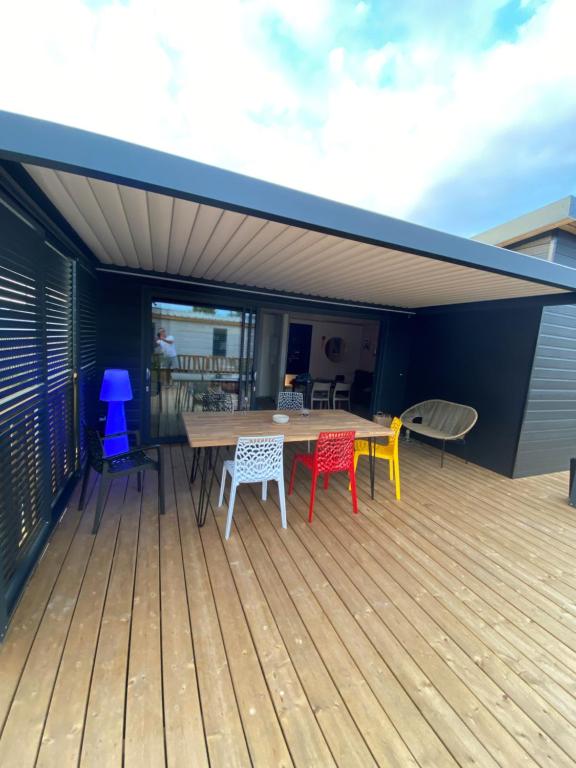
(134, 461)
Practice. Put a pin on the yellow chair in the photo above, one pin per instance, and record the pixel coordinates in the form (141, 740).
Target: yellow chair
(388, 452)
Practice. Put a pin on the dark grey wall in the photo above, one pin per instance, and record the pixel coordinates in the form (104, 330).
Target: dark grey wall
(120, 337)
(483, 358)
(548, 437)
(565, 249)
(536, 246)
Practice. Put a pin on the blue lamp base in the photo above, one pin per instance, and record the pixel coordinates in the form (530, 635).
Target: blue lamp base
(115, 422)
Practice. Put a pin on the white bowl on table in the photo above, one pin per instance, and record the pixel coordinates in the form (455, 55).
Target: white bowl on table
(280, 418)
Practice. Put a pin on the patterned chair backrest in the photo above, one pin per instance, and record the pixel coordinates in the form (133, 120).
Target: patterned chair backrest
(290, 401)
(334, 451)
(259, 458)
(217, 401)
(396, 425)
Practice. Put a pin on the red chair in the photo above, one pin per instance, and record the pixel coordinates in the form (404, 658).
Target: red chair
(334, 452)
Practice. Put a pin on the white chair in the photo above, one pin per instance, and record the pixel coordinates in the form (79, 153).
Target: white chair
(290, 401)
(341, 395)
(321, 394)
(257, 460)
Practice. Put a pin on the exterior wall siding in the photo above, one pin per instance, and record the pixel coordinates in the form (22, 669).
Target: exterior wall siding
(565, 251)
(548, 437)
(538, 246)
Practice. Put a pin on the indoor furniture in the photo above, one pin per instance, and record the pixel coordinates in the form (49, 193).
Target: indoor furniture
(341, 395)
(321, 394)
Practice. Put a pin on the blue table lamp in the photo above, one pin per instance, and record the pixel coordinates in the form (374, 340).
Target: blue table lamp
(115, 391)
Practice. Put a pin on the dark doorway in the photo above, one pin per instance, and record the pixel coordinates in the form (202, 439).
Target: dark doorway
(299, 342)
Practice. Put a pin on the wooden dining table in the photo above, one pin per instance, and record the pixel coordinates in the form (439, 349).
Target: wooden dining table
(214, 430)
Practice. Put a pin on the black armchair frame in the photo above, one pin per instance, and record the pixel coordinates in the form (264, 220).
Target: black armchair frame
(135, 461)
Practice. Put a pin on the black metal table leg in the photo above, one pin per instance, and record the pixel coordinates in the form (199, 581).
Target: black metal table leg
(207, 473)
(195, 463)
(372, 459)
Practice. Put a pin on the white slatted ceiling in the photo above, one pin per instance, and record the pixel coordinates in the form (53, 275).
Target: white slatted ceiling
(130, 227)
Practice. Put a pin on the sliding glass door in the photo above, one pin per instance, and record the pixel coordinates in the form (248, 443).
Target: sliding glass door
(192, 350)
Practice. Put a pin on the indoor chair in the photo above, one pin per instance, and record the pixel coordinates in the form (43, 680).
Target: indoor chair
(290, 401)
(132, 462)
(341, 395)
(257, 460)
(388, 452)
(334, 452)
(321, 394)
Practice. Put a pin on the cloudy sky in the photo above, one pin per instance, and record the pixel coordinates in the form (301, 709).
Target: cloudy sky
(454, 114)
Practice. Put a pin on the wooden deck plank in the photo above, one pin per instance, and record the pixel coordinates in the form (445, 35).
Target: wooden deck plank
(405, 565)
(30, 703)
(62, 737)
(343, 736)
(303, 736)
(104, 726)
(437, 694)
(546, 735)
(438, 630)
(406, 720)
(262, 728)
(367, 707)
(490, 597)
(185, 740)
(144, 731)
(514, 556)
(30, 610)
(222, 724)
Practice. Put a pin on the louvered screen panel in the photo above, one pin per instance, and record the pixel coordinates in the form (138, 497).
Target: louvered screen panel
(58, 299)
(86, 298)
(23, 500)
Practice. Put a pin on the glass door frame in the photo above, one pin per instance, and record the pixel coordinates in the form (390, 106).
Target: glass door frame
(249, 312)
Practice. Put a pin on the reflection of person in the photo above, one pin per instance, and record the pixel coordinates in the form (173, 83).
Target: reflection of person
(167, 347)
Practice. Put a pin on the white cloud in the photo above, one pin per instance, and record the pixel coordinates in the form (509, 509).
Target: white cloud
(377, 127)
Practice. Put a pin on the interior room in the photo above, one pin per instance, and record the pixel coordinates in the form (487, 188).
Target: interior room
(295, 350)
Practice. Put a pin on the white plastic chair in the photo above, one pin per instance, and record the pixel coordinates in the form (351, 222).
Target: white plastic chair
(321, 394)
(341, 395)
(290, 401)
(257, 460)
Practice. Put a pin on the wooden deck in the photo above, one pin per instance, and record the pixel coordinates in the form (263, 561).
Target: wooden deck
(436, 631)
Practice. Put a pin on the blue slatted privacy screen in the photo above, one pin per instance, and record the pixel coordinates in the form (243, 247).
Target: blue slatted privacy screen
(47, 382)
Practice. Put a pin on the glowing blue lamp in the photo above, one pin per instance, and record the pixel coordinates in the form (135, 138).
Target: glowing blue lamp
(115, 391)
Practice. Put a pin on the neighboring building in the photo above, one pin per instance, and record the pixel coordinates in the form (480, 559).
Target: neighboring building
(548, 434)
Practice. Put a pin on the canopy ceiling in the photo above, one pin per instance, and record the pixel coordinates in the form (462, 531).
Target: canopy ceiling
(129, 227)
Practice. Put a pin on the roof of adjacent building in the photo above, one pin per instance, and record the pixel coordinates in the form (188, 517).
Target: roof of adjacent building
(558, 215)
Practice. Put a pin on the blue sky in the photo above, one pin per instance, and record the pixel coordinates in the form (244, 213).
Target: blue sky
(456, 115)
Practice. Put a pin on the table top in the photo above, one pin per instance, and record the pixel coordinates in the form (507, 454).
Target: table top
(224, 428)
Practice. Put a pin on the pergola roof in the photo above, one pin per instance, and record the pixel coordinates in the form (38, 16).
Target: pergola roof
(140, 209)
